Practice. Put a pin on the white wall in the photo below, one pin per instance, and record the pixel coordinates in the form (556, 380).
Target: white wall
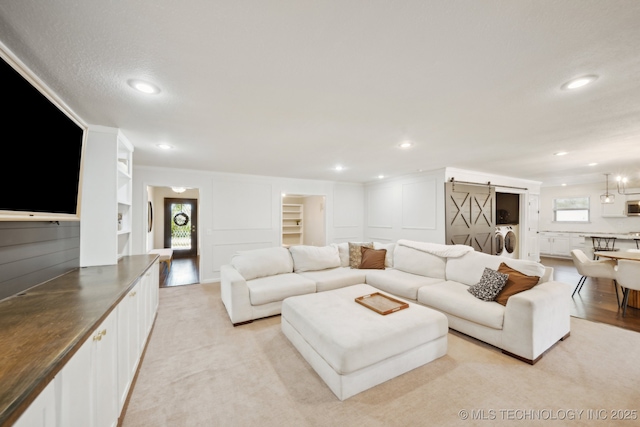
(598, 223)
(240, 212)
(314, 220)
(409, 207)
(412, 207)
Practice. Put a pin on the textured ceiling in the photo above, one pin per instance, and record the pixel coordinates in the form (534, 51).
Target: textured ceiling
(291, 89)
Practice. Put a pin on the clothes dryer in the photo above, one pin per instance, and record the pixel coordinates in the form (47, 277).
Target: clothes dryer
(511, 243)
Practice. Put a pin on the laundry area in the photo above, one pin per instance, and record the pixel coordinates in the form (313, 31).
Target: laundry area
(507, 224)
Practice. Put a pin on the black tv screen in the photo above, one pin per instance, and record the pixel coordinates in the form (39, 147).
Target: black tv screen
(42, 155)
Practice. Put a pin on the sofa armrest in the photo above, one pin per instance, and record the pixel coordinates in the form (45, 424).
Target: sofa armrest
(536, 319)
(235, 294)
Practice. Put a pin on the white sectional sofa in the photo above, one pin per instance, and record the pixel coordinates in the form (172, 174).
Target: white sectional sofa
(437, 276)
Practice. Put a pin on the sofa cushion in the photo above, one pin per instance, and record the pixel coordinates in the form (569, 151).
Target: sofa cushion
(489, 285)
(276, 288)
(335, 278)
(468, 269)
(373, 258)
(453, 298)
(411, 260)
(390, 247)
(398, 282)
(343, 251)
(313, 258)
(516, 283)
(355, 253)
(262, 262)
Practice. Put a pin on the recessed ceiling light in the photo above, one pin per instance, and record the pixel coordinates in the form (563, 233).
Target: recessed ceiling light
(579, 82)
(560, 153)
(380, 176)
(144, 87)
(339, 168)
(592, 164)
(564, 184)
(406, 144)
(164, 146)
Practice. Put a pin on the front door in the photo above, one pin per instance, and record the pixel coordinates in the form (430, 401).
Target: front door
(470, 216)
(180, 226)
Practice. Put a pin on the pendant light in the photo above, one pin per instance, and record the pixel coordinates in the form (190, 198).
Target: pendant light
(607, 197)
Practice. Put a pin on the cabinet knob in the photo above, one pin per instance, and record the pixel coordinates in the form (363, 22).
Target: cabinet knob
(97, 337)
(132, 294)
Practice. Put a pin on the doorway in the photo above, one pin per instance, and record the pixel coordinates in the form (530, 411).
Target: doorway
(303, 220)
(181, 226)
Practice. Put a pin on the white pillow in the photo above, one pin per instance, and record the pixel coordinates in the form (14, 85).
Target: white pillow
(262, 262)
(314, 258)
(388, 260)
(343, 251)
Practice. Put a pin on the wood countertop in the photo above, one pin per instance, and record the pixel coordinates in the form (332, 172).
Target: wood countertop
(43, 327)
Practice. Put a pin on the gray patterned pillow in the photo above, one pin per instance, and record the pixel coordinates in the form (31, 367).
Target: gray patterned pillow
(489, 285)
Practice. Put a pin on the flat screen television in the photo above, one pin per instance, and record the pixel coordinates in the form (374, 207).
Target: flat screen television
(42, 150)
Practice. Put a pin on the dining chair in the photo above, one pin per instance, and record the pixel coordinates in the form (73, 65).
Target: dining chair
(600, 269)
(603, 244)
(628, 276)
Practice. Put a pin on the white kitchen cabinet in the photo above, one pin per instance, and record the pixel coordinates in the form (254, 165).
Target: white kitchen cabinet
(555, 244)
(91, 388)
(72, 390)
(86, 388)
(42, 411)
(136, 313)
(104, 373)
(128, 342)
(105, 226)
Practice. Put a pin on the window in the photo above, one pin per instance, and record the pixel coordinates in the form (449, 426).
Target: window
(571, 209)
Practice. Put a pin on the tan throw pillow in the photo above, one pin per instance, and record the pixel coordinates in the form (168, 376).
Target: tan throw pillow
(355, 253)
(516, 283)
(373, 258)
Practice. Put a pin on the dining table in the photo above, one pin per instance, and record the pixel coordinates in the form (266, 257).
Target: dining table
(634, 296)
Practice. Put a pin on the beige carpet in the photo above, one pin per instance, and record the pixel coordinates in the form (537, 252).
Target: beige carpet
(201, 371)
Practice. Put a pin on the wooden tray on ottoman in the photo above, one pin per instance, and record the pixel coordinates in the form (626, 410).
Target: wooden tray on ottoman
(382, 304)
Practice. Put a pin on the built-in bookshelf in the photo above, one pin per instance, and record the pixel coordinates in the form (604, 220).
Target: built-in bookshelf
(292, 217)
(106, 197)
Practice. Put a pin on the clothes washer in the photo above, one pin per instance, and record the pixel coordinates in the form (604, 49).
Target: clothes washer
(509, 235)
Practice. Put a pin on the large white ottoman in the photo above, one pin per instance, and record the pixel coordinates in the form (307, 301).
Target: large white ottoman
(352, 347)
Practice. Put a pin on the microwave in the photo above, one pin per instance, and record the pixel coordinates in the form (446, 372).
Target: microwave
(633, 208)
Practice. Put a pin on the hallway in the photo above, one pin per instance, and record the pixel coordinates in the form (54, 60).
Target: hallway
(184, 271)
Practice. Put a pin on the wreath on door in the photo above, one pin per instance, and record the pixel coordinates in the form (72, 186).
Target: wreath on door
(181, 219)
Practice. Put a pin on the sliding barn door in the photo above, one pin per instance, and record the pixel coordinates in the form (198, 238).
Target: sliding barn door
(470, 216)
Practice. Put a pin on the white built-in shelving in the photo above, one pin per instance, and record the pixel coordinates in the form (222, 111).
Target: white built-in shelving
(105, 216)
(292, 227)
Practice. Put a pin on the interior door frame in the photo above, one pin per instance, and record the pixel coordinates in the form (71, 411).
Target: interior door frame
(168, 201)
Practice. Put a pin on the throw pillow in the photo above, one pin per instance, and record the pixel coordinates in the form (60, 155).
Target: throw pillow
(517, 282)
(355, 253)
(373, 258)
(489, 285)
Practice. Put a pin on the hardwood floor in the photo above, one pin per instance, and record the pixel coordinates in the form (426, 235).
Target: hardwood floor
(597, 299)
(184, 271)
